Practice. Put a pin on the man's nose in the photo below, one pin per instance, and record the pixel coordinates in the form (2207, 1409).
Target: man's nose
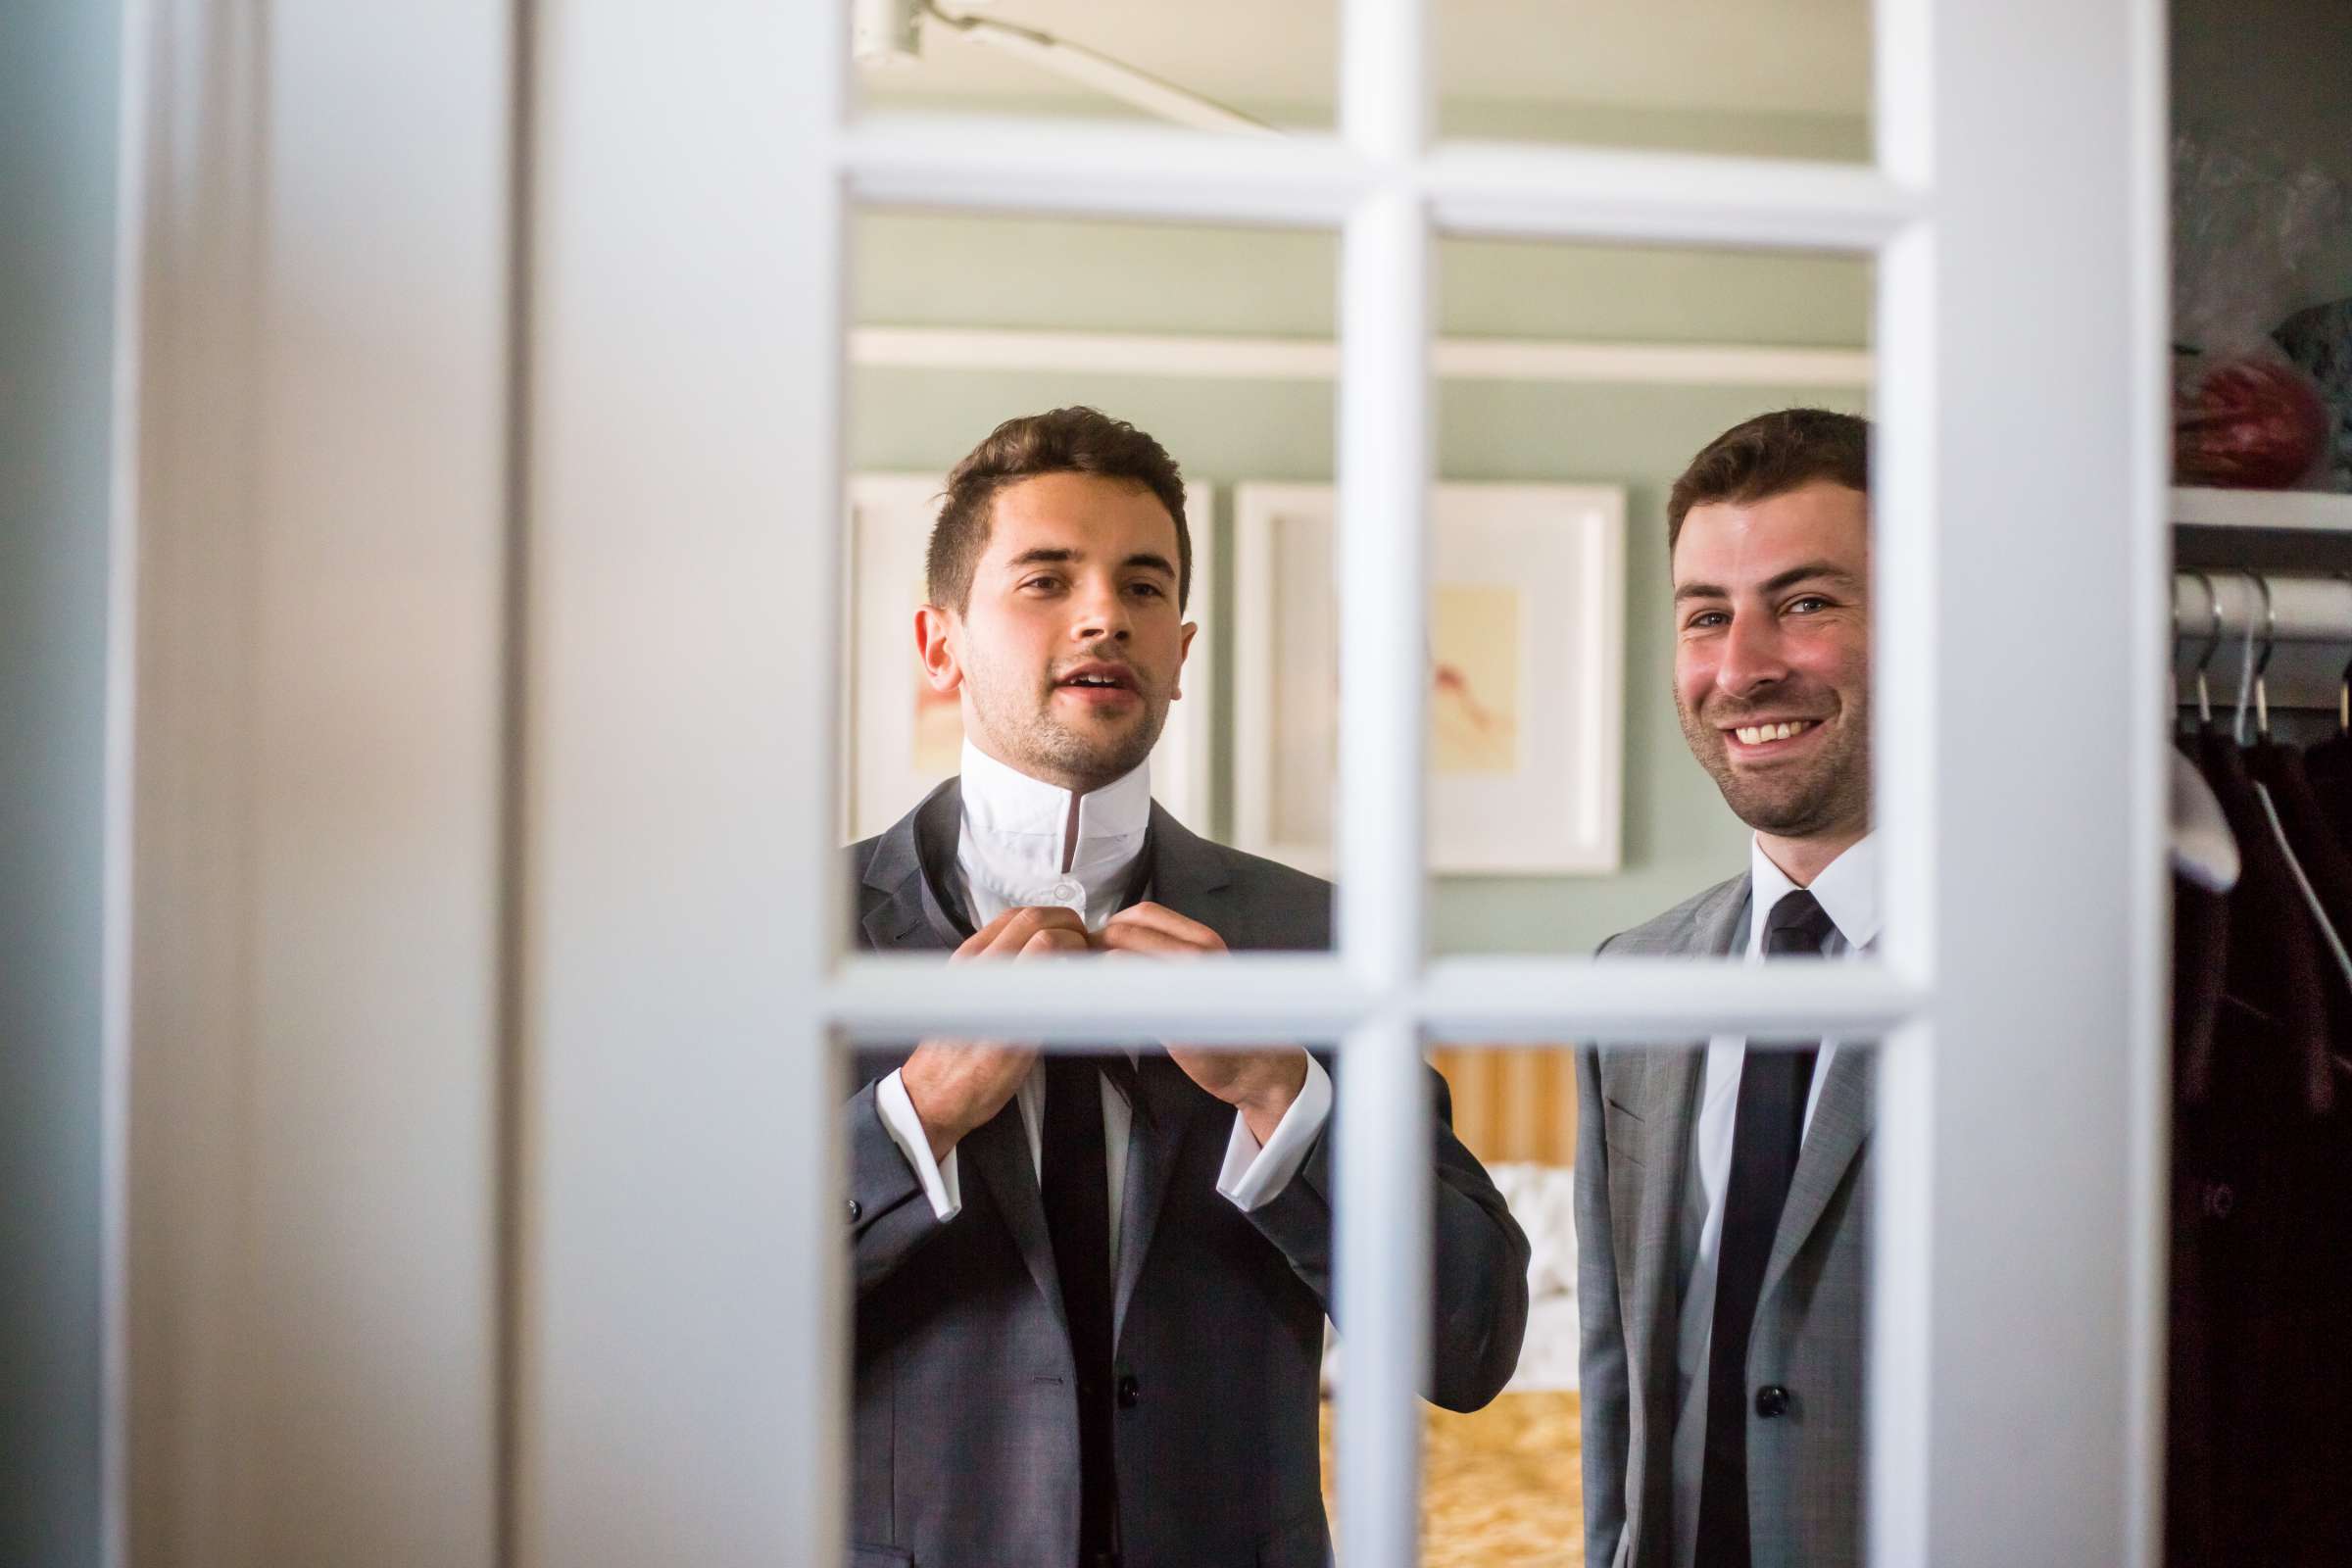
(1752, 655)
(1102, 613)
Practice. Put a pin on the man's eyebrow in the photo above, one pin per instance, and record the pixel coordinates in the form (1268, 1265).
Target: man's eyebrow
(1827, 571)
(1061, 555)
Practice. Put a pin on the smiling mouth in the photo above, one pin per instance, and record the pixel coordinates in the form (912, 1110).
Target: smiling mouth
(1764, 734)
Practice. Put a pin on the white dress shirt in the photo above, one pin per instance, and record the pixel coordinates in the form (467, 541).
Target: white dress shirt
(1847, 889)
(1017, 851)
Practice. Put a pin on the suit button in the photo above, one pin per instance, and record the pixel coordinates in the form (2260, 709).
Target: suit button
(854, 1211)
(1771, 1400)
(1131, 1392)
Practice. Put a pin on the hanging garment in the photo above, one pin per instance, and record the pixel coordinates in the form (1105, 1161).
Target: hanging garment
(2249, 1317)
(2322, 1396)
(2328, 768)
(2195, 1447)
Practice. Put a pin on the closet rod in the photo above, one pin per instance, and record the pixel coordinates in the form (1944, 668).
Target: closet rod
(2302, 608)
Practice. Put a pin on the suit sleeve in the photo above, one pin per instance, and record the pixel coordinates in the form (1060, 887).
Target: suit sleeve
(890, 1218)
(1600, 1354)
(1477, 1305)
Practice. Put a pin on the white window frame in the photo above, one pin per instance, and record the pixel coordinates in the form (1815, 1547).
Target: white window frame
(671, 1321)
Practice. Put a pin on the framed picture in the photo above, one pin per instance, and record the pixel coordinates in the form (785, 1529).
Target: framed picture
(1527, 676)
(904, 738)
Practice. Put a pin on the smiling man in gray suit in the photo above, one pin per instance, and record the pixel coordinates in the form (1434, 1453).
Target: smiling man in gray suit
(1723, 1193)
(1091, 1290)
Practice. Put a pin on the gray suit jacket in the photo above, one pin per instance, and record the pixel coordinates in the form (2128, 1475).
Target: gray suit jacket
(1637, 1109)
(966, 1429)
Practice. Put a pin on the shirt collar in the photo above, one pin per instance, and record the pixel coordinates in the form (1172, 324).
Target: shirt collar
(1847, 889)
(1013, 826)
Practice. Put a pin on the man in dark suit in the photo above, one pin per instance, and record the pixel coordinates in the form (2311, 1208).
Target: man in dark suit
(1723, 1193)
(1091, 1291)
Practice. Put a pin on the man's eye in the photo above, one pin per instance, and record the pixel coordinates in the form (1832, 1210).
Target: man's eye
(1149, 589)
(1808, 605)
(1708, 619)
(1042, 582)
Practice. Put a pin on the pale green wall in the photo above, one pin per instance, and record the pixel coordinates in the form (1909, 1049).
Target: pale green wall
(921, 269)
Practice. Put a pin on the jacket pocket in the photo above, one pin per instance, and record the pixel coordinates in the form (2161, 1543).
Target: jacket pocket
(1303, 1542)
(879, 1557)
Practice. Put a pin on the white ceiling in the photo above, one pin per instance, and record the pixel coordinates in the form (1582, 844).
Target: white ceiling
(1741, 56)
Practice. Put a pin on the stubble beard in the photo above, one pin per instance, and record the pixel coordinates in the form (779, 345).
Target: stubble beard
(1829, 792)
(1025, 732)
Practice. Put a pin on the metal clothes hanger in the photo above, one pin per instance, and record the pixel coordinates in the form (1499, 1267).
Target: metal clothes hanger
(2343, 682)
(2250, 673)
(2213, 603)
(2269, 646)
(2203, 849)
(2251, 677)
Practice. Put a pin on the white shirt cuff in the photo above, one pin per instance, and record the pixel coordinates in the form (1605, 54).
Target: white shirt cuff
(1252, 1175)
(938, 1176)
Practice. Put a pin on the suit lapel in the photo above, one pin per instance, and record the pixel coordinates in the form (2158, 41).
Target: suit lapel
(1194, 882)
(1190, 877)
(1166, 1101)
(898, 924)
(1670, 1083)
(909, 918)
(1840, 1123)
(1670, 1086)
(997, 1151)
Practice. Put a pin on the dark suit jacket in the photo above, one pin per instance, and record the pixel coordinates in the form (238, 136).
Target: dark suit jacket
(966, 1442)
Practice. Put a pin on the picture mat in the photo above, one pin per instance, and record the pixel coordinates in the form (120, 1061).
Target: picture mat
(1557, 552)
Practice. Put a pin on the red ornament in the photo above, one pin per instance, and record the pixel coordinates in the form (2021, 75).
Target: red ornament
(2252, 422)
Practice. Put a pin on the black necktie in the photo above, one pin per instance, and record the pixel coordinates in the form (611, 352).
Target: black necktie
(1767, 1131)
(1074, 1182)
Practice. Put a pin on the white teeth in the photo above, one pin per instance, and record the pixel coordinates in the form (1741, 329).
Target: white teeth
(1758, 734)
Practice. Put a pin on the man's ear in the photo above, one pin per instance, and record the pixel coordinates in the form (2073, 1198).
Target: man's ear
(1184, 651)
(935, 645)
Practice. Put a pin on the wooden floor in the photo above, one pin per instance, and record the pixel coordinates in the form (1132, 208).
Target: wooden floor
(1501, 1489)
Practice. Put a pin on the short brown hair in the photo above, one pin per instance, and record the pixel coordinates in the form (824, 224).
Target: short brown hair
(1770, 456)
(1075, 440)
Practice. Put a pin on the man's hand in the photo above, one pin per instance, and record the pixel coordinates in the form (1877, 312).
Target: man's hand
(957, 1085)
(1259, 1084)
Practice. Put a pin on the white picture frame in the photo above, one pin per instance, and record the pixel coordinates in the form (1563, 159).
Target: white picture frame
(1529, 784)
(889, 762)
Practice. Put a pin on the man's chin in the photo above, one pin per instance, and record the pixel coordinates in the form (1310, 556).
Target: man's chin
(1780, 812)
(1103, 755)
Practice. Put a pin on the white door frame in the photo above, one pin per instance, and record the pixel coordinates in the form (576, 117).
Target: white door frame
(660, 842)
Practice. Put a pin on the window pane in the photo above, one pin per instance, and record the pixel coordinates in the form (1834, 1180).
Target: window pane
(1106, 1307)
(1223, 67)
(1697, 76)
(1504, 1486)
(1591, 761)
(1214, 345)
